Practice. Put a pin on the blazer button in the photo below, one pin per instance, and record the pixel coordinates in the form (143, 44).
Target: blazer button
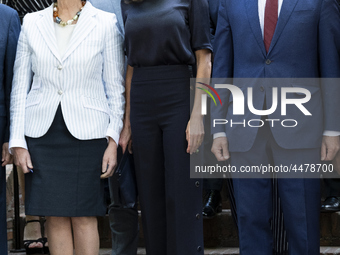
(199, 248)
(198, 216)
(197, 184)
(262, 88)
(268, 61)
(60, 92)
(60, 67)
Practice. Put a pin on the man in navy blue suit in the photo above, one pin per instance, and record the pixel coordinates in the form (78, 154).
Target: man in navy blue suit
(9, 33)
(278, 39)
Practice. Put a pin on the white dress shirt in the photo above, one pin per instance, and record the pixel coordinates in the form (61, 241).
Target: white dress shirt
(261, 10)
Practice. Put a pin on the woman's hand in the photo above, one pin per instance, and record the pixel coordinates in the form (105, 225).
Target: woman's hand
(195, 133)
(109, 159)
(22, 159)
(125, 138)
(7, 158)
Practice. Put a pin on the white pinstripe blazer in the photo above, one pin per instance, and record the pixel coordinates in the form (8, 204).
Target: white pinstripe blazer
(87, 81)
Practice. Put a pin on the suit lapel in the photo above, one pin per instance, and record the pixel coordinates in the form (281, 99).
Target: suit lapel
(84, 26)
(285, 13)
(46, 28)
(254, 22)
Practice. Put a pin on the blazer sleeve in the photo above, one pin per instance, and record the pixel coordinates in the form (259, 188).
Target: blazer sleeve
(21, 85)
(329, 55)
(223, 65)
(11, 47)
(113, 76)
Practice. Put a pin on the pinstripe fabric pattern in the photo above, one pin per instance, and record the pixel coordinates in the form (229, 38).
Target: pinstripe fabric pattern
(27, 6)
(87, 81)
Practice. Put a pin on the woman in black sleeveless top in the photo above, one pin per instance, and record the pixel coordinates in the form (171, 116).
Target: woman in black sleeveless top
(162, 39)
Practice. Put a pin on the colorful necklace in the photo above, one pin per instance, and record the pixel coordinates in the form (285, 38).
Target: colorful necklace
(69, 22)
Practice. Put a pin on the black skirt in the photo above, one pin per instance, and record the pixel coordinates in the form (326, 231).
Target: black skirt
(66, 174)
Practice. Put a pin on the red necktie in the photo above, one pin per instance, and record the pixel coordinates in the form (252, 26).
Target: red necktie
(270, 20)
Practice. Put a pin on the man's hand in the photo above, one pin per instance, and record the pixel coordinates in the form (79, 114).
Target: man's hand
(7, 158)
(220, 148)
(329, 147)
(109, 159)
(22, 159)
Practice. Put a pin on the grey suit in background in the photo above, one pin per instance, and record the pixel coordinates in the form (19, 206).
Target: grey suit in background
(123, 221)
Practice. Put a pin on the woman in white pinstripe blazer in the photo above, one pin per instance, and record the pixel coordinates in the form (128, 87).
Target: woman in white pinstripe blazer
(67, 97)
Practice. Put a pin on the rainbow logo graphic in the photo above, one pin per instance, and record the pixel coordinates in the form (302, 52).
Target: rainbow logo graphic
(209, 93)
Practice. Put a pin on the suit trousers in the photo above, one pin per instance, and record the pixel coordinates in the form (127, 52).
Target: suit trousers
(3, 207)
(300, 199)
(170, 201)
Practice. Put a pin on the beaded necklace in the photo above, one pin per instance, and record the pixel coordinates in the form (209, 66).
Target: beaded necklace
(69, 22)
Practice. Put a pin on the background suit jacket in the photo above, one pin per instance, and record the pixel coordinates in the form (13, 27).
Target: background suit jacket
(306, 44)
(9, 33)
(112, 6)
(87, 81)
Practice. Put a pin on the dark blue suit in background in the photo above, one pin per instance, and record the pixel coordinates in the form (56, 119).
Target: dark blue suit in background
(306, 44)
(9, 33)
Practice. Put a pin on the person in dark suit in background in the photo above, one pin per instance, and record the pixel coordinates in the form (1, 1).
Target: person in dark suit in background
(123, 220)
(9, 34)
(278, 39)
(331, 191)
(212, 187)
(27, 6)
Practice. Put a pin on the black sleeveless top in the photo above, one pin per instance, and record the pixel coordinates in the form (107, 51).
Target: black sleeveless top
(165, 32)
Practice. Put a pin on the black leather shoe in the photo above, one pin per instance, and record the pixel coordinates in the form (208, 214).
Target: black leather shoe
(211, 204)
(331, 204)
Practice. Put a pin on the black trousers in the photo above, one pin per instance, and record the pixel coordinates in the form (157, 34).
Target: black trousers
(170, 201)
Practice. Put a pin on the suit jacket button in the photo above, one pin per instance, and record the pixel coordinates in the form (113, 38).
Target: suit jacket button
(198, 216)
(197, 184)
(60, 67)
(60, 92)
(268, 61)
(262, 88)
(199, 248)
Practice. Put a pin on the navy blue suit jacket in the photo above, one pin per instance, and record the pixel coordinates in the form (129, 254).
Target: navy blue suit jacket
(213, 12)
(306, 44)
(10, 28)
(9, 33)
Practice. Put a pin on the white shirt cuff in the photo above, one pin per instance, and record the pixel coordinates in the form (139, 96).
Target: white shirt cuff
(331, 133)
(113, 134)
(220, 134)
(17, 143)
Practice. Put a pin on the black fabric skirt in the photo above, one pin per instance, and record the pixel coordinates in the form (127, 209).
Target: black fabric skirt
(66, 174)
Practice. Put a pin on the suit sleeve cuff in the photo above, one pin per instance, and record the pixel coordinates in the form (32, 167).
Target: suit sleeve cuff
(17, 143)
(220, 134)
(331, 133)
(113, 134)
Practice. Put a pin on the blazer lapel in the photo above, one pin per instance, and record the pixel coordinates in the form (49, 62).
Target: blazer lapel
(285, 13)
(85, 24)
(254, 22)
(46, 28)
